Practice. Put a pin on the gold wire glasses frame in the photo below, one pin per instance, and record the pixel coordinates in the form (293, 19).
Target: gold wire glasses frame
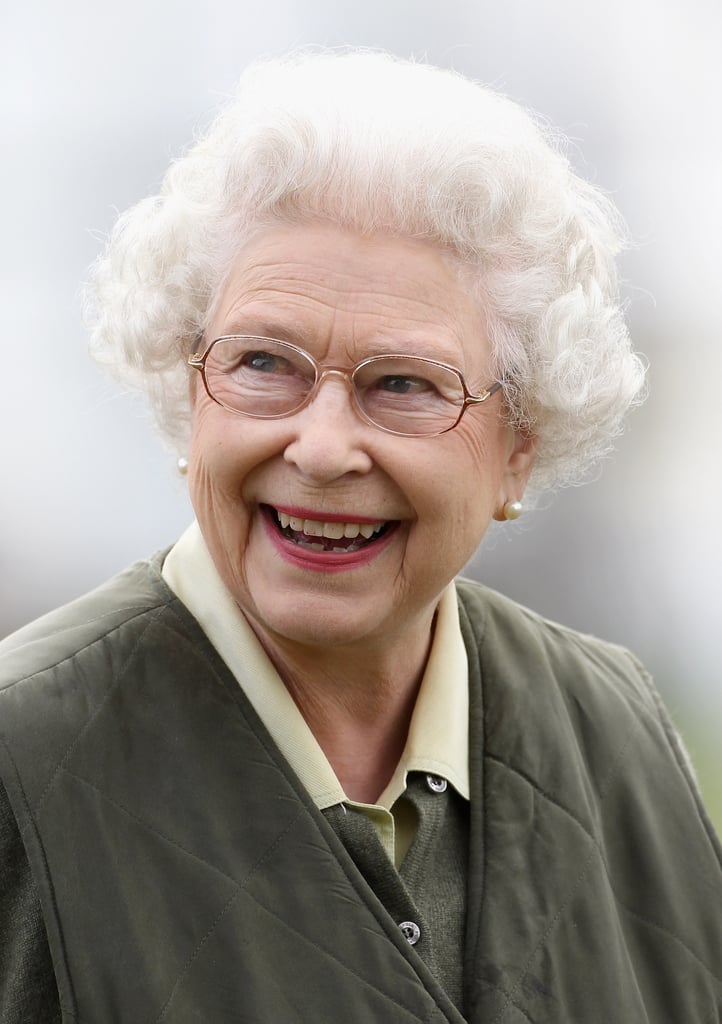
(265, 378)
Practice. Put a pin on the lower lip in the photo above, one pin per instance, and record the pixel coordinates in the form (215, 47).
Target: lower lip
(324, 561)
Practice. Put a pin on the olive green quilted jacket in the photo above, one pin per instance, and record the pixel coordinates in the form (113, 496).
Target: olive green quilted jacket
(185, 876)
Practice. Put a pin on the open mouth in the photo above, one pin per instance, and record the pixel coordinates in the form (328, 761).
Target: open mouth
(323, 535)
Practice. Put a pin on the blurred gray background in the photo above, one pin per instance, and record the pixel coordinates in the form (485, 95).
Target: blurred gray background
(98, 97)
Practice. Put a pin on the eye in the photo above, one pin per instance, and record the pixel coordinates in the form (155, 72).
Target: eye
(266, 362)
(403, 384)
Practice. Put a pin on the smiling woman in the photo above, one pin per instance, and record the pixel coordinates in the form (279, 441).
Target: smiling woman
(347, 295)
(371, 308)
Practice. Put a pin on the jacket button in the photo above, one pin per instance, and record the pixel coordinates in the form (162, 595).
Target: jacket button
(410, 931)
(436, 784)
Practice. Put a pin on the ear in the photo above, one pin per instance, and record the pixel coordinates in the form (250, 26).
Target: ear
(519, 465)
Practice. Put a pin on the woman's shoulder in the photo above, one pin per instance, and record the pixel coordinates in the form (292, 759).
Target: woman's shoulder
(512, 639)
(551, 692)
(597, 694)
(59, 672)
(61, 635)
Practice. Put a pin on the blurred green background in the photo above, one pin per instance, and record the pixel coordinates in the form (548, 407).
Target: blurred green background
(703, 744)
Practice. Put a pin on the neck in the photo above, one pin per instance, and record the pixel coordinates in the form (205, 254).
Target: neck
(357, 703)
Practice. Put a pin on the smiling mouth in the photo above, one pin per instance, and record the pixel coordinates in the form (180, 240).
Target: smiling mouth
(324, 535)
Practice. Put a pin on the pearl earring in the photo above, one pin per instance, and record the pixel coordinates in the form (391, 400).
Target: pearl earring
(512, 509)
(182, 465)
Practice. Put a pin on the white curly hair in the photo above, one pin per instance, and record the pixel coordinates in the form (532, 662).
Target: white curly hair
(381, 144)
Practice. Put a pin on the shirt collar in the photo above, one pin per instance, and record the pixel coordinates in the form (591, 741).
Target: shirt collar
(438, 735)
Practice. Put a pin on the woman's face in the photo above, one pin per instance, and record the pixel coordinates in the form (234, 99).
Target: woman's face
(343, 297)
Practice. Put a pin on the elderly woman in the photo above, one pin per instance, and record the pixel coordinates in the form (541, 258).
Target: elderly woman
(290, 770)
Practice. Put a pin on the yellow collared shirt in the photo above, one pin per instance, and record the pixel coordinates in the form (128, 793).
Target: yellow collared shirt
(438, 738)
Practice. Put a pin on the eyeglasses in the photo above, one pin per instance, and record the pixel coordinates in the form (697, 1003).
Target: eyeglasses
(268, 379)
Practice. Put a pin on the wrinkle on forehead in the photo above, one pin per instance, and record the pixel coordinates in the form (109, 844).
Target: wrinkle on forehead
(312, 284)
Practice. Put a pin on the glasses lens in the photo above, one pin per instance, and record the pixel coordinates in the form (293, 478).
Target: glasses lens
(259, 376)
(408, 395)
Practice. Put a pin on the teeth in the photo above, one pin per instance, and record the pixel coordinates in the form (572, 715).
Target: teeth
(332, 531)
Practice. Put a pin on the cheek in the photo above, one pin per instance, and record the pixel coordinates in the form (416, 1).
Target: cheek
(478, 464)
(226, 451)
(484, 441)
(442, 485)
(215, 458)
(467, 483)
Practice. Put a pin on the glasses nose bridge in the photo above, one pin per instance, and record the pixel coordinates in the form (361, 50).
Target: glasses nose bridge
(334, 371)
(324, 372)
(343, 376)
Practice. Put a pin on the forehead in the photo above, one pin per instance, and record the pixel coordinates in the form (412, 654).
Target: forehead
(319, 284)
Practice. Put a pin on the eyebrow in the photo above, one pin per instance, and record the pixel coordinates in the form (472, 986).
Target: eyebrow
(262, 327)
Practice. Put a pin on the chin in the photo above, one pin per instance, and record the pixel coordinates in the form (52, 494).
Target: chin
(319, 621)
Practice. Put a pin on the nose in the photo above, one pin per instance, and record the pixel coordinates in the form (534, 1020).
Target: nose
(328, 435)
